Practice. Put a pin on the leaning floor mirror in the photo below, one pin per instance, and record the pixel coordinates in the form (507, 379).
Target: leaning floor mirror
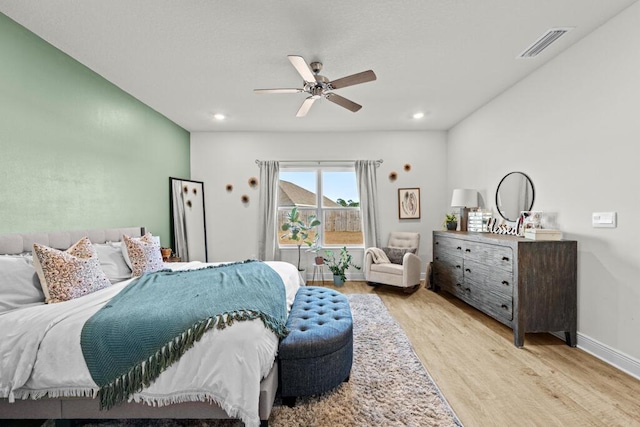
(188, 219)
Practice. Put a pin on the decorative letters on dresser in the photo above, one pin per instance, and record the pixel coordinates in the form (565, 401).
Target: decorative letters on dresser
(529, 285)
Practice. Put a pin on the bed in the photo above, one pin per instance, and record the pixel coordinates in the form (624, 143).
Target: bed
(48, 377)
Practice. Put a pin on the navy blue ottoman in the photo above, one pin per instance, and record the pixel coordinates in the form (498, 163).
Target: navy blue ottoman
(317, 354)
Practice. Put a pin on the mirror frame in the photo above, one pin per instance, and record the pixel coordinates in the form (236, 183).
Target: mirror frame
(533, 194)
(182, 223)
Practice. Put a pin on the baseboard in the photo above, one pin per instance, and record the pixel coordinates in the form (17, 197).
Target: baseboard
(607, 354)
(350, 276)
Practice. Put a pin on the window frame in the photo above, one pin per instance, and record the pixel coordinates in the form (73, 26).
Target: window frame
(319, 208)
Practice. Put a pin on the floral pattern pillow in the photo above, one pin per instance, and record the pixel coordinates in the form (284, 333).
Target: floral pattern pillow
(65, 275)
(396, 255)
(144, 254)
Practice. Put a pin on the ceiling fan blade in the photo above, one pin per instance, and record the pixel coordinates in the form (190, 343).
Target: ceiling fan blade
(278, 90)
(343, 102)
(306, 105)
(302, 68)
(354, 79)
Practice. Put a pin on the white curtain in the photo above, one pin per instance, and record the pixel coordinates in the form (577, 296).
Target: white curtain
(368, 192)
(268, 211)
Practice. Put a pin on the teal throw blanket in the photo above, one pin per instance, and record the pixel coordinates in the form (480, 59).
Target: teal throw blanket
(154, 320)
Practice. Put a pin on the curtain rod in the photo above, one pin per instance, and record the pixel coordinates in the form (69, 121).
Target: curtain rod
(378, 162)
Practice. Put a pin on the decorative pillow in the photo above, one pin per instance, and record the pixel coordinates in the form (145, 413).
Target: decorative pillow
(65, 275)
(125, 253)
(395, 255)
(144, 254)
(19, 284)
(112, 261)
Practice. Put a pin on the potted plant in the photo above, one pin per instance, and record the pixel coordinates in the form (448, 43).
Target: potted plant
(451, 221)
(338, 264)
(314, 248)
(298, 230)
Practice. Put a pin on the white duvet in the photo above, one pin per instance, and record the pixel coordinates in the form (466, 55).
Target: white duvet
(40, 355)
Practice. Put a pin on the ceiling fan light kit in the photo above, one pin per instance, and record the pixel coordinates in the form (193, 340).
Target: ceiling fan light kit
(318, 86)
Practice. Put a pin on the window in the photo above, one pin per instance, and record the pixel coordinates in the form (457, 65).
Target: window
(328, 192)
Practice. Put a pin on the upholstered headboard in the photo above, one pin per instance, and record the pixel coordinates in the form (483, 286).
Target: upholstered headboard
(23, 242)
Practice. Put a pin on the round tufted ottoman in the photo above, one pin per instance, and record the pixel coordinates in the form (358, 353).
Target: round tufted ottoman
(318, 352)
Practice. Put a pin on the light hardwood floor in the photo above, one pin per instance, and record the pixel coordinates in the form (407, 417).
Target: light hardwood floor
(490, 382)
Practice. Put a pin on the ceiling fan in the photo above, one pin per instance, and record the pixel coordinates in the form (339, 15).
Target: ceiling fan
(318, 86)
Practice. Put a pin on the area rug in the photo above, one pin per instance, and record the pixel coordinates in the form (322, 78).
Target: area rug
(388, 386)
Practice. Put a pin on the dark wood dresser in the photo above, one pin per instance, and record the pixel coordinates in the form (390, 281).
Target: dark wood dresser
(529, 285)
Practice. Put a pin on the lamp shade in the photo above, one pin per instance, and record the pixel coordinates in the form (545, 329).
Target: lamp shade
(464, 198)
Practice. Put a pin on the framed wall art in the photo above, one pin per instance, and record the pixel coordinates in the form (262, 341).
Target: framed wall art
(409, 203)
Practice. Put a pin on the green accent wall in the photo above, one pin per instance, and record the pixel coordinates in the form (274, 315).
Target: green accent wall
(77, 152)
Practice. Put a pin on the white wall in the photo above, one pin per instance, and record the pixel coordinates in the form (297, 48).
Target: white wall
(574, 127)
(219, 158)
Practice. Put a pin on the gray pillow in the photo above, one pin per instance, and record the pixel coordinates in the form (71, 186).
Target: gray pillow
(19, 283)
(112, 261)
(395, 255)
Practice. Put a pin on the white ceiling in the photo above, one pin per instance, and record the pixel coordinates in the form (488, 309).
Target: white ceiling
(190, 59)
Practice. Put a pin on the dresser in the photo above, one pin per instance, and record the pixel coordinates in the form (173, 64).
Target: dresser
(529, 285)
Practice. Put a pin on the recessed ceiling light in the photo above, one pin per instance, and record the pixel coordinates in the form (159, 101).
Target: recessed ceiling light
(418, 115)
(219, 116)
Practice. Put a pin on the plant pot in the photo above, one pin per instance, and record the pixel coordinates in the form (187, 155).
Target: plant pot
(452, 225)
(319, 260)
(337, 280)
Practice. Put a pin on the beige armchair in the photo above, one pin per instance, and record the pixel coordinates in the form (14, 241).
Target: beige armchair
(397, 264)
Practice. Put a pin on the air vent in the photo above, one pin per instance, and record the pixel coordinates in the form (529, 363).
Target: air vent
(544, 42)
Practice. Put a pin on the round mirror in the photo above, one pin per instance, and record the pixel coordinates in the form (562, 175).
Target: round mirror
(514, 194)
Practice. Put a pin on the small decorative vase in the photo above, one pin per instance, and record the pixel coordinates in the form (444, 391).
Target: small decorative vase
(452, 226)
(166, 253)
(319, 260)
(337, 280)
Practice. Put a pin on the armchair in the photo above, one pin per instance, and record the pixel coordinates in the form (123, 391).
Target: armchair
(397, 265)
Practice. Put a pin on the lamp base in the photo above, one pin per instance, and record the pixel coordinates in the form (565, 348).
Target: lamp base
(464, 218)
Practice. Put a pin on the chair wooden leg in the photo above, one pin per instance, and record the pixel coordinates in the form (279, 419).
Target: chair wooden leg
(411, 289)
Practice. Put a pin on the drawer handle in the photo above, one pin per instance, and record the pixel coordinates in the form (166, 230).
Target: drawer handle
(467, 289)
(437, 257)
(468, 270)
(467, 250)
(505, 258)
(458, 285)
(459, 248)
(437, 243)
(457, 266)
(504, 306)
(504, 282)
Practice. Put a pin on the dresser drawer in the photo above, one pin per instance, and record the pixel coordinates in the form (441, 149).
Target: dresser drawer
(489, 279)
(490, 255)
(447, 271)
(498, 306)
(444, 244)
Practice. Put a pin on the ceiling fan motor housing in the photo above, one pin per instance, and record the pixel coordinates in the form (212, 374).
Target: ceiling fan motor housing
(318, 87)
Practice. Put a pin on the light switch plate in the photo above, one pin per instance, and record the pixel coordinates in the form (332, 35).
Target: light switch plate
(604, 219)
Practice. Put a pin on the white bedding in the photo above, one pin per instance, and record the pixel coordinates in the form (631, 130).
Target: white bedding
(40, 355)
